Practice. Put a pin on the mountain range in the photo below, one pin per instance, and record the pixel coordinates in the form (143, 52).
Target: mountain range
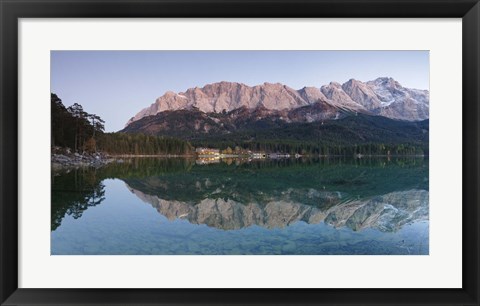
(382, 96)
(225, 113)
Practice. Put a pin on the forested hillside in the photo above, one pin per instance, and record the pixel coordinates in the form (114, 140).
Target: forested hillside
(75, 129)
(178, 132)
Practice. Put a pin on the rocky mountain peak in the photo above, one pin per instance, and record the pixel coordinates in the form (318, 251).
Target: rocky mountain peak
(312, 94)
(361, 93)
(383, 96)
(385, 82)
(170, 94)
(335, 85)
(353, 82)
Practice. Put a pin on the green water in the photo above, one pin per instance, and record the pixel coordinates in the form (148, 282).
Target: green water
(290, 206)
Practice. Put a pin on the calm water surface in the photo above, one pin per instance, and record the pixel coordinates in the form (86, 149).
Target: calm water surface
(291, 206)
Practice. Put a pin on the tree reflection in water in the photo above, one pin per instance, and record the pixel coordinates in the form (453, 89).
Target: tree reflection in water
(73, 192)
(383, 193)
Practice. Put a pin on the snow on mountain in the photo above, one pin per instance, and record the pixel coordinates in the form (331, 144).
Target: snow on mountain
(399, 102)
(382, 96)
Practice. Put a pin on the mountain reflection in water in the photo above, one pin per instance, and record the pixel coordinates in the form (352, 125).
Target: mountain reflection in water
(231, 195)
(387, 212)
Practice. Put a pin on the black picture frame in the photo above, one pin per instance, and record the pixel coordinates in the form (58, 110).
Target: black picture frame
(12, 10)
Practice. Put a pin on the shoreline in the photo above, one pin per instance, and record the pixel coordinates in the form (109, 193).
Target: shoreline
(62, 162)
(247, 156)
(150, 155)
(75, 160)
(97, 160)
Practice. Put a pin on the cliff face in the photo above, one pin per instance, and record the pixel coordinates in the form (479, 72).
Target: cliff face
(227, 96)
(383, 96)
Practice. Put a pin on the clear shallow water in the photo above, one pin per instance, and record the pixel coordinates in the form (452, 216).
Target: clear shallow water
(179, 206)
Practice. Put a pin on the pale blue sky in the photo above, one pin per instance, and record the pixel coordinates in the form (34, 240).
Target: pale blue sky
(117, 84)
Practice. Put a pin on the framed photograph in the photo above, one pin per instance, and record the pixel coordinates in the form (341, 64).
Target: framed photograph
(222, 152)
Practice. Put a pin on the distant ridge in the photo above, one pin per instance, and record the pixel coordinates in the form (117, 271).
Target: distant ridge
(383, 96)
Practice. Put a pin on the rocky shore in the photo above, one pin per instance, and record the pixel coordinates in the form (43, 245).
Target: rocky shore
(75, 160)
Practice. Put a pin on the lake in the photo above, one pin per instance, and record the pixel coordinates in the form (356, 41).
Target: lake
(180, 206)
